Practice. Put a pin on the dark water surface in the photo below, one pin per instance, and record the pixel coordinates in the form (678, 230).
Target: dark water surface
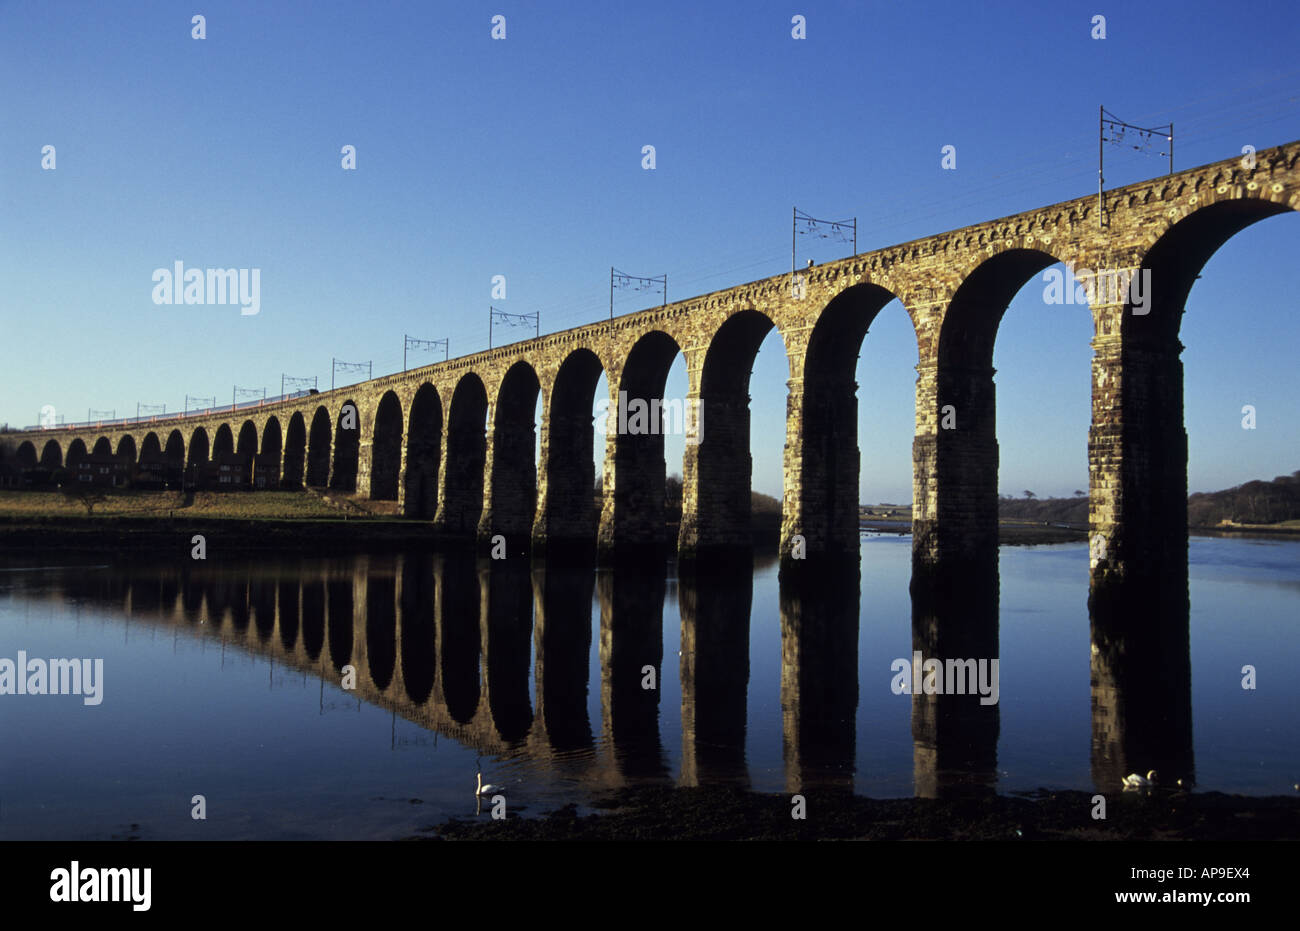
(222, 679)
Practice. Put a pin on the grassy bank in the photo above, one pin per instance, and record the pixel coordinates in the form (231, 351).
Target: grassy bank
(261, 505)
(163, 521)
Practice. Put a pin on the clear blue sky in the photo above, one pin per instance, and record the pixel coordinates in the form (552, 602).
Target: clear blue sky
(523, 158)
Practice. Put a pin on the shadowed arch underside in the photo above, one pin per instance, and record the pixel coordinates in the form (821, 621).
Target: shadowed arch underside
(461, 502)
(151, 448)
(197, 455)
(347, 447)
(295, 453)
(386, 449)
(823, 509)
(126, 450)
(955, 487)
(632, 520)
(76, 453)
(718, 469)
(267, 474)
(512, 464)
(423, 454)
(51, 455)
(247, 445)
(223, 443)
(318, 450)
(567, 516)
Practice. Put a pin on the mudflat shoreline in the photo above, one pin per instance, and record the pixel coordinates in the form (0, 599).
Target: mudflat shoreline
(727, 813)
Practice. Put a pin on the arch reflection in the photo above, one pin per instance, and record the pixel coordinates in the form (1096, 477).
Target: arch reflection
(819, 679)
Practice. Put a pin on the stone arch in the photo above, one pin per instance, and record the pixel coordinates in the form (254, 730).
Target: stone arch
(223, 444)
(103, 446)
(1138, 446)
(267, 469)
(461, 503)
(247, 444)
(823, 508)
(955, 504)
(423, 453)
(26, 454)
(718, 472)
(566, 515)
(52, 455)
(970, 322)
(347, 447)
(76, 453)
(272, 440)
(126, 450)
(512, 474)
(1175, 259)
(633, 510)
(198, 449)
(150, 448)
(172, 457)
(295, 452)
(386, 449)
(318, 449)
(174, 451)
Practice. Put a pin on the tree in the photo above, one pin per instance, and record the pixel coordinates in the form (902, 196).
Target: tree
(86, 495)
(1030, 495)
(1080, 494)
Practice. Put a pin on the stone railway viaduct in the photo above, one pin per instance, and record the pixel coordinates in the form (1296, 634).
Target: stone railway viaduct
(454, 442)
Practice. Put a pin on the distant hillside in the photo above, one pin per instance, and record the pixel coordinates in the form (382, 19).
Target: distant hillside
(1256, 502)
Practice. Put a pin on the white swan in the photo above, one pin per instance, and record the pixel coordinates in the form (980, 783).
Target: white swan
(1134, 781)
(487, 789)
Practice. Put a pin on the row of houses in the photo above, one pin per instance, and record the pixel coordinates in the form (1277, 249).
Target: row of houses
(226, 472)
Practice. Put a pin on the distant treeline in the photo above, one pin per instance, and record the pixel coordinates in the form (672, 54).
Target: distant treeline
(1256, 502)
(760, 503)
(1252, 503)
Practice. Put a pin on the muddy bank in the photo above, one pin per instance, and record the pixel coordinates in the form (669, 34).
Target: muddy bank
(723, 813)
(1009, 534)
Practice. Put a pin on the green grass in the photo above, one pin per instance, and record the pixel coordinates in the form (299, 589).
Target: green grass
(260, 505)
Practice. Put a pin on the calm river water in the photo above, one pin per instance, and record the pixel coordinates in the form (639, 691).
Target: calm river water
(225, 679)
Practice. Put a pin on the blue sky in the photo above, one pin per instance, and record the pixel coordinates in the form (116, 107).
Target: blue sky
(522, 158)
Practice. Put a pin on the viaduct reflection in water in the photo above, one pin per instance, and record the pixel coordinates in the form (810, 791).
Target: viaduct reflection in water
(497, 656)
